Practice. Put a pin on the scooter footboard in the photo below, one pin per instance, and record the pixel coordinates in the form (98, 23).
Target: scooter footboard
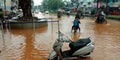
(88, 48)
(52, 55)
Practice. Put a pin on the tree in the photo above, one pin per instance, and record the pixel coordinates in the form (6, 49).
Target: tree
(74, 0)
(45, 4)
(89, 3)
(52, 4)
(25, 5)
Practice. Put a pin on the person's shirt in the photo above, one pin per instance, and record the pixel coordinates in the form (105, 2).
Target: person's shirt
(102, 13)
(76, 22)
(68, 11)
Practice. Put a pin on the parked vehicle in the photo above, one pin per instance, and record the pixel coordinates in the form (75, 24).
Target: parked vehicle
(17, 16)
(115, 13)
(100, 19)
(80, 48)
(114, 10)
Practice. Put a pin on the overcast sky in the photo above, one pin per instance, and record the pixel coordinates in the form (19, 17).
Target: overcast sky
(37, 2)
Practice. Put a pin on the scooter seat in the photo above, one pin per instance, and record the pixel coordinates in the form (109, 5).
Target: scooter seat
(78, 44)
(67, 54)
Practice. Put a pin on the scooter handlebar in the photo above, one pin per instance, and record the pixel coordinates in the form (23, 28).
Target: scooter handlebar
(63, 37)
(69, 41)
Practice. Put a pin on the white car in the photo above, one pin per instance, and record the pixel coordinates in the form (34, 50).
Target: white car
(18, 16)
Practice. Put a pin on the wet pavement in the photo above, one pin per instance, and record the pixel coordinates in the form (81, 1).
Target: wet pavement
(36, 43)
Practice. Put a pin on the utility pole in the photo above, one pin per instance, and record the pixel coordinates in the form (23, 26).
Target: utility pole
(4, 8)
(107, 7)
(97, 5)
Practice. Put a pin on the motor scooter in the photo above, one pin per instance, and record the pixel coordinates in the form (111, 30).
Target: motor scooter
(80, 48)
(100, 19)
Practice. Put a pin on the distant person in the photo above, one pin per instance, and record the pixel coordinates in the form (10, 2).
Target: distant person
(59, 14)
(68, 13)
(82, 14)
(100, 17)
(76, 23)
(103, 15)
(78, 15)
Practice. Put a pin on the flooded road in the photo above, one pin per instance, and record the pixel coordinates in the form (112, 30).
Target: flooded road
(36, 43)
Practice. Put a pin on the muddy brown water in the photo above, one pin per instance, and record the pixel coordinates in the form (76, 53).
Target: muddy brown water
(36, 43)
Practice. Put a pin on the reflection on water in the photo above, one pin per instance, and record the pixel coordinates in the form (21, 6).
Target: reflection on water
(13, 48)
(75, 36)
(106, 39)
(36, 43)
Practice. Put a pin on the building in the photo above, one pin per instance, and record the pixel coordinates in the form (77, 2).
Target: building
(1, 5)
(6, 6)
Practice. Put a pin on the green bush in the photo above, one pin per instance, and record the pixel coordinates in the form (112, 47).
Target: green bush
(93, 11)
(113, 17)
(1, 14)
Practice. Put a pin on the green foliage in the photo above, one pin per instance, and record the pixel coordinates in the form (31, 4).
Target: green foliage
(89, 3)
(113, 17)
(52, 4)
(1, 14)
(93, 11)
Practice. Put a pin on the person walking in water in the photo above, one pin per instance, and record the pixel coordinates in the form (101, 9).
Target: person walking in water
(76, 23)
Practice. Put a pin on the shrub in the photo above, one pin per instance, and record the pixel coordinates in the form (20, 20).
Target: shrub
(1, 14)
(113, 17)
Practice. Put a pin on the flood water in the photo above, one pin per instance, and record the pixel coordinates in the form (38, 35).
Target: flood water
(36, 43)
